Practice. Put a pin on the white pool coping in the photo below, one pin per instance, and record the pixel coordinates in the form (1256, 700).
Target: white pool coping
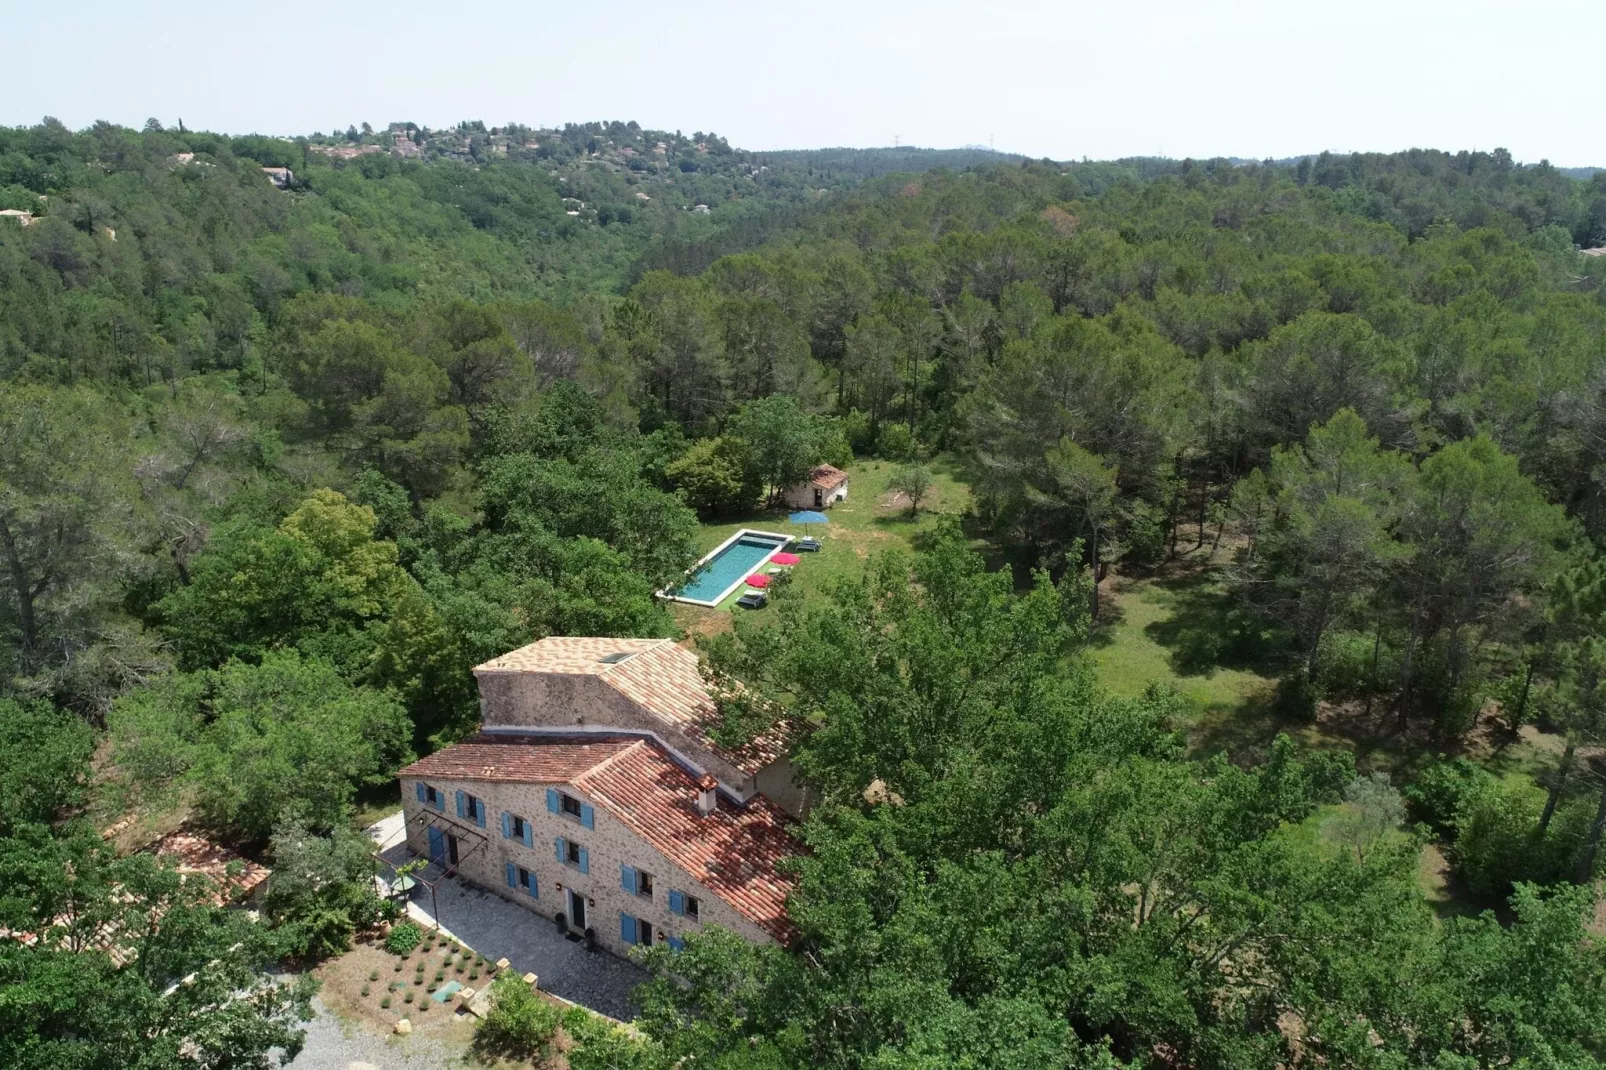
(786, 540)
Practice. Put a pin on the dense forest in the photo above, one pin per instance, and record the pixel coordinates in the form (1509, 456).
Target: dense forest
(281, 460)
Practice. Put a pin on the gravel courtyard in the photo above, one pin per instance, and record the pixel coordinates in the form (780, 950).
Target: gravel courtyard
(530, 942)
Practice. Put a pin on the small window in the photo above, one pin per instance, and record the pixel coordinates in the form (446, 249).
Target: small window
(526, 879)
(432, 797)
(692, 906)
(643, 932)
(571, 806)
(644, 883)
(616, 658)
(517, 826)
(571, 852)
(475, 808)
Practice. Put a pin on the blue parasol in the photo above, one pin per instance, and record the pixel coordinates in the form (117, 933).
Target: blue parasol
(807, 517)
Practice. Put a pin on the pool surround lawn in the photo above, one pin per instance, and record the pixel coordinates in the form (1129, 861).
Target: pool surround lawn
(726, 567)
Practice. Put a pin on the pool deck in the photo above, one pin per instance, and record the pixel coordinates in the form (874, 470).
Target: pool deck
(785, 540)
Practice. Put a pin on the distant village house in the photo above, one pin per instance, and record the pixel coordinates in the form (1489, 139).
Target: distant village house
(279, 176)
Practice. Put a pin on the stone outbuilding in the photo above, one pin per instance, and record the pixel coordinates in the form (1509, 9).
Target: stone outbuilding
(825, 486)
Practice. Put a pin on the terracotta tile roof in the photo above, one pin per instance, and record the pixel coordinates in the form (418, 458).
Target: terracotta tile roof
(192, 853)
(494, 756)
(826, 476)
(568, 654)
(667, 682)
(733, 852)
(661, 677)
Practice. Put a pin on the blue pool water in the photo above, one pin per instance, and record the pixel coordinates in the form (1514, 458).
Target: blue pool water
(729, 565)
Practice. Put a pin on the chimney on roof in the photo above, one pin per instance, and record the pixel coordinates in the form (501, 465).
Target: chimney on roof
(707, 800)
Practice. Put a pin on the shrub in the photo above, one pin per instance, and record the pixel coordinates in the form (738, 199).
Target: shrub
(1296, 696)
(407, 998)
(385, 1003)
(440, 975)
(404, 937)
(1346, 663)
(373, 975)
(520, 1025)
(1144, 545)
(716, 477)
(895, 442)
(1495, 844)
(474, 975)
(459, 967)
(398, 965)
(1440, 790)
(365, 990)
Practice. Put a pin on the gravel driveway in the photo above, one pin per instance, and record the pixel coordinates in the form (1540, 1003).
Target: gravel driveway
(336, 1043)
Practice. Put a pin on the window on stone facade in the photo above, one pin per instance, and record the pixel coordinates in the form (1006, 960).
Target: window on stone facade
(517, 827)
(571, 852)
(644, 883)
(692, 906)
(475, 808)
(571, 805)
(432, 797)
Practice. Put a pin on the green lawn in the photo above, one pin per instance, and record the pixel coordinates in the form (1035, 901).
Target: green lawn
(868, 522)
(1179, 628)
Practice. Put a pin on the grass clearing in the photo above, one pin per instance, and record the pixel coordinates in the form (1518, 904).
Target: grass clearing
(869, 522)
(1180, 628)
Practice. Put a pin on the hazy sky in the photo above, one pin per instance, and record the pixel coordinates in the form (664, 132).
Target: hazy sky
(1066, 80)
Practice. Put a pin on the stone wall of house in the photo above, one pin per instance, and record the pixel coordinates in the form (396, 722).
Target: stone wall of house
(609, 845)
(777, 782)
(557, 700)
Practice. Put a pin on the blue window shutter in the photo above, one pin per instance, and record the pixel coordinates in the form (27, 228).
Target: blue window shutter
(560, 848)
(588, 816)
(440, 801)
(462, 808)
(585, 863)
(676, 944)
(627, 928)
(552, 803)
(512, 875)
(677, 902)
(479, 814)
(507, 825)
(535, 893)
(420, 787)
(529, 835)
(627, 879)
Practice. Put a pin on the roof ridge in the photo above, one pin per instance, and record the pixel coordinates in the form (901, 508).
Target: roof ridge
(580, 781)
(608, 669)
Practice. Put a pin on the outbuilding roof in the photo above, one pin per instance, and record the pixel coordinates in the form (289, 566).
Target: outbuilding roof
(735, 852)
(827, 476)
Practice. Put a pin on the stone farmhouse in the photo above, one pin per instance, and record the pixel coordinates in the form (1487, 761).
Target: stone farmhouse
(594, 795)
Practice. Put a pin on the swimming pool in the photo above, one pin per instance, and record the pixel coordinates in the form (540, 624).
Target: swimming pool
(723, 570)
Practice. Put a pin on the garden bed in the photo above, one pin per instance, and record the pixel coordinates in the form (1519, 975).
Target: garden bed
(378, 986)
